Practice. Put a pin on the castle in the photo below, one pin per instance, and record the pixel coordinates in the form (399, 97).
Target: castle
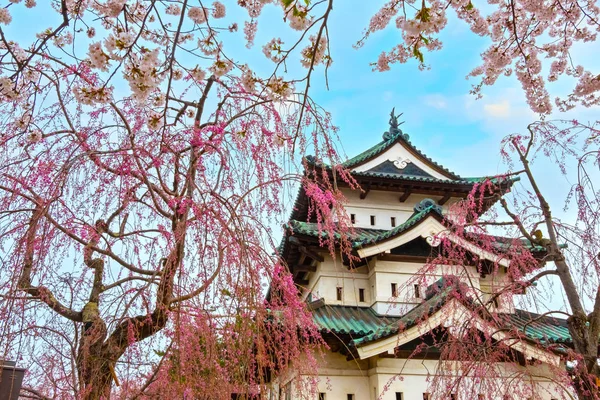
(380, 316)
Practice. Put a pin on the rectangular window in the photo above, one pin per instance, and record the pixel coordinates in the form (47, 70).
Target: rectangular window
(338, 293)
(321, 396)
(399, 396)
(353, 218)
(372, 220)
(394, 290)
(393, 221)
(417, 291)
(481, 396)
(426, 396)
(350, 396)
(361, 295)
(453, 396)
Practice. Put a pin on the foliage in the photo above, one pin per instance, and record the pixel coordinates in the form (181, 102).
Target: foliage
(142, 170)
(537, 249)
(142, 161)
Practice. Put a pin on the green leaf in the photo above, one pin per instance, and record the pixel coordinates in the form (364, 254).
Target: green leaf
(297, 13)
(469, 6)
(287, 3)
(423, 14)
(417, 53)
(225, 292)
(424, 39)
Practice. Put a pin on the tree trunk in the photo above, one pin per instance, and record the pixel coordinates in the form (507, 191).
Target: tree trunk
(96, 379)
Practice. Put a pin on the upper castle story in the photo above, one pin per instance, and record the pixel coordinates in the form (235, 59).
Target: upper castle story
(398, 215)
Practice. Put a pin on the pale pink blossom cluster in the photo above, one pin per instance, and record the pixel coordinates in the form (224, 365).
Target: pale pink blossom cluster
(273, 50)
(197, 14)
(173, 9)
(92, 95)
(523, 33)
(254, 7)
(5, 17)
(141, 71)
(35, 136)
(119, 43)
(155, 120)
(297, 16)
(197, 74)
(112, 8)
(279, 89)
(221, 67)
(250, 28)
(218, 10)
(248, 80)
(7, 89)
(209, 45)
(314, 53)
(97, 57)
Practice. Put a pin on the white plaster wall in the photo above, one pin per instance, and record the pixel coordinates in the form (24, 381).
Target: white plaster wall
(376, 280)
(386, 376)
(411, 377)
(383, 205)
(330, 275)
(405, 275)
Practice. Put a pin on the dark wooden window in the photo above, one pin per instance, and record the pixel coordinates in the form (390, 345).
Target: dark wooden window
(426, 396)
(321, 396)
(399, 396)
(481, 396)
(372, 220)
(338, 293)
(394, 290)
(393, 221)
(350, 396)
(353, 218)
(361, 295)
(417, 291)
(496, 302)
(453, 396)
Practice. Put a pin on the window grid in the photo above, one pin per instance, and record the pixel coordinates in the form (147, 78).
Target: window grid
(417, 291)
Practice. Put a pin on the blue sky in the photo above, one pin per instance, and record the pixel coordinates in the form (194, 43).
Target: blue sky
(440, 116)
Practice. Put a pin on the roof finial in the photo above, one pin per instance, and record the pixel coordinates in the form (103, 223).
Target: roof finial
(394, 126)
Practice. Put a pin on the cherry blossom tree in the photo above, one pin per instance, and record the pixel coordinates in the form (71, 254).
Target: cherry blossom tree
(521, 33)
(143, 162)
(558, 254)
(142, 169)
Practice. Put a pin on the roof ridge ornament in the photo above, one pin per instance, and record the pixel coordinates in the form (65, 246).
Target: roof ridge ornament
(394, 126)
(426, 204)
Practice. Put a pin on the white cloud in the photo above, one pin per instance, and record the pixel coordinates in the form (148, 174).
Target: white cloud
(498, 110)
(436, 101)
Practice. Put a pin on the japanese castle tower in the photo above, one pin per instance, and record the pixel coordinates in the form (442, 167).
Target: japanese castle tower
(375, 313)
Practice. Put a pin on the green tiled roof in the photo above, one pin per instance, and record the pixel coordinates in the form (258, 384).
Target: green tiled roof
(344, 320)
(386, 144)
(411, 318)
(544, 329)
(362, 236)
(463, 181)
(366, 326)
